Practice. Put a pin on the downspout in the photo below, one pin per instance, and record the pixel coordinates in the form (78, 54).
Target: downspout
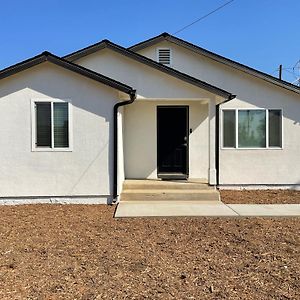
(115, 158)
(218, 136)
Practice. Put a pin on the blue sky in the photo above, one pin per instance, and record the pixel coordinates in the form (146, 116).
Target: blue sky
(258, 33)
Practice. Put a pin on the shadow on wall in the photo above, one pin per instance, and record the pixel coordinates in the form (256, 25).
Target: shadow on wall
(258, 93)
(89, 166)
(140, 136)
(85, 94)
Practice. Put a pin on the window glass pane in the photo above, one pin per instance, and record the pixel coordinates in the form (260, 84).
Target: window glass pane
(275, 128)
(43, 124)
(252, 128)
(228, 128)
(61, 125)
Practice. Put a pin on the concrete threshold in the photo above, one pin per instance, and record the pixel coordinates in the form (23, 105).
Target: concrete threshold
(203, 209)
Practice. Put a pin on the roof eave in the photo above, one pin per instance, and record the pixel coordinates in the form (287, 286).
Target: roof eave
(170, 71)
(123, 51)
(46, 56)
(22, 66)
(234, 64)
(216, 57)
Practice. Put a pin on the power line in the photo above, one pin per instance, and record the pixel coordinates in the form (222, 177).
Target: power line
(275, 71)
(203, 17)
(294, 71)
(288, 70)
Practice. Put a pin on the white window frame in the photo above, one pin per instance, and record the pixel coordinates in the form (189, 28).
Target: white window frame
(171, 55)
(34, 148)
(236, 129)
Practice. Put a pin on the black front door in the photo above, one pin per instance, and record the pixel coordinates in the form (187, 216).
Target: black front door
(172, 141)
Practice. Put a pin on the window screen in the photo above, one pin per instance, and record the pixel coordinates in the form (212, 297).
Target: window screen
(43, 124)
(61, 125)
(52, 120)
(229, 128)
(275, 130)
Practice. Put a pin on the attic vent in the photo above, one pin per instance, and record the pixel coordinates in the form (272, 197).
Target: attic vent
(164, 56)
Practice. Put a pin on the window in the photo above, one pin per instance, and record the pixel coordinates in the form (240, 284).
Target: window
(252, 128)
(229, 128)
(164, 56)
(51, 125)
(275, 128)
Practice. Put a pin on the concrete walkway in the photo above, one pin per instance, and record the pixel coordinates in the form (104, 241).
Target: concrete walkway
(209, 209)
(266, 210)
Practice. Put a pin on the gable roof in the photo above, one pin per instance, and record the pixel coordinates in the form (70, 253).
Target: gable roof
(147, 61)
(221, 59)
(47, 56)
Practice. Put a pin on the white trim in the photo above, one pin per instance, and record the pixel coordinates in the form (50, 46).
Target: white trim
(25, 200)
(262, 186)
(52, 127)
(282, 131)
(33, 131)
(33, 125)
(267, 128)
(236, 129)
(70, 111)
(212, 172)
(202, 100)
(171, 55)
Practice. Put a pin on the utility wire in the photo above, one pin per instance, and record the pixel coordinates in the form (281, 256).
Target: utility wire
(275, 71)
(203, 17)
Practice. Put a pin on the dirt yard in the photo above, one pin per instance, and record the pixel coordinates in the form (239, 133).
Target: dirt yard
(81, 252)
(260, 196)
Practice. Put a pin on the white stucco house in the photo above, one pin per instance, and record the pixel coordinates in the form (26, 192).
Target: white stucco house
(78, 126)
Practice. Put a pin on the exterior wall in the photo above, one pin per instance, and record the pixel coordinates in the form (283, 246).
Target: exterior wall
(239, 166)
(266, 166)
(149, 82)
(140, 118)
(140, 144)
(87, 170)
(121, 170)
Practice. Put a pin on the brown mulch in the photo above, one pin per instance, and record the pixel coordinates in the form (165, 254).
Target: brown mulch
(81, 252)
(260, 196)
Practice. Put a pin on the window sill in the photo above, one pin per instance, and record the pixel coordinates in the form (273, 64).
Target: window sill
(270, 148)
(51, 150)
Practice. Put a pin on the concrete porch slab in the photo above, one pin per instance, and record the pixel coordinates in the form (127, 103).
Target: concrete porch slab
(266, 210)
(172, 209)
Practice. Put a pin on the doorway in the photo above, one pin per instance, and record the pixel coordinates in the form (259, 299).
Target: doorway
(172, 142)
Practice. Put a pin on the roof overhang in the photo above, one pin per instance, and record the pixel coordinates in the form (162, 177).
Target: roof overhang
(49, 57)
(216, 57)
(147, 61)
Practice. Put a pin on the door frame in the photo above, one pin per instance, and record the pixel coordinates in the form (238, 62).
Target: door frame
(175, 175)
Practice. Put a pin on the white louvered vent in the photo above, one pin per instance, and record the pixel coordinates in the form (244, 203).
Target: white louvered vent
(164, 56)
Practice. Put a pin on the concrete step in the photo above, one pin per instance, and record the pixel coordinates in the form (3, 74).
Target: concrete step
(170, 195)
(176, 185)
